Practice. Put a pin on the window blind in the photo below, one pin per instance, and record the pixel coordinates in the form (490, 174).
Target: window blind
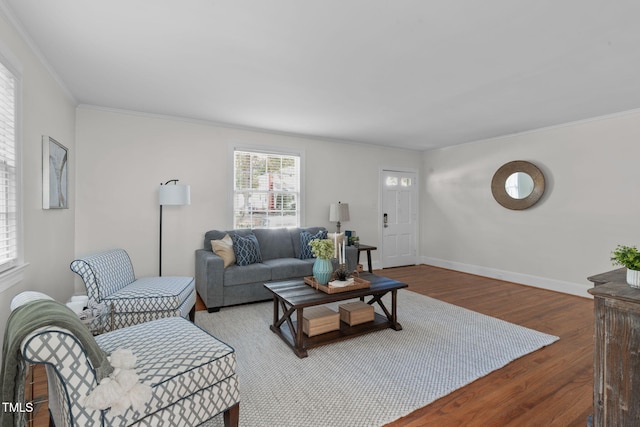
(266, 190)
(8, 205)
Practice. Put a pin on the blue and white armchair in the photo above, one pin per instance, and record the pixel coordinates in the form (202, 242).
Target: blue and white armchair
(110, 279)
(192, 375)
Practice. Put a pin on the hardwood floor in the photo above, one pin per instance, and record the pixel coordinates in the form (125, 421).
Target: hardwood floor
(550, 387)
(36, 392)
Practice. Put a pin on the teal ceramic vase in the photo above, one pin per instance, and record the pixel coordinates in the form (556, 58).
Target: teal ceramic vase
(322, 270)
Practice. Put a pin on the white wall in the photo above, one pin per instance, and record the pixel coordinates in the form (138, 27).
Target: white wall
(120, 158)
(123, 157)
(590, 205)
(48, 234)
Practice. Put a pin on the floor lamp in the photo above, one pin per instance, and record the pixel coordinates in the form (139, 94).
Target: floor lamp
(171, 195)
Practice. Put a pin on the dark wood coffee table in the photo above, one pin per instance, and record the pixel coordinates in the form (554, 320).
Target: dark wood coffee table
(294, 296)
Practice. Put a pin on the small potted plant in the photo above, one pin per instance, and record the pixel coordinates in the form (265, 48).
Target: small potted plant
(323, 250)
(342, 274)
(629, 257)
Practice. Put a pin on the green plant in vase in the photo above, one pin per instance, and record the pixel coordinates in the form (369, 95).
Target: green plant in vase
(323, 250)
(628, 256)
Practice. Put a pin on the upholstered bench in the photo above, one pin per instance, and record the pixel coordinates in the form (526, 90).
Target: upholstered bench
(109, 278)
(191, 373)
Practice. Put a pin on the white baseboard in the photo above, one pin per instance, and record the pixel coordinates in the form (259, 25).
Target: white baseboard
(579, 289)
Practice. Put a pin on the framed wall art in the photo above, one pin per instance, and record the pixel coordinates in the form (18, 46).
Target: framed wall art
(54, 174)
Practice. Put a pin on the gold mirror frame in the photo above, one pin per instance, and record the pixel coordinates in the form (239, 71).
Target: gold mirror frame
(500, 178)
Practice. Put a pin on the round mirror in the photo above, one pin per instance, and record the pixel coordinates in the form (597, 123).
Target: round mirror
(517, 185)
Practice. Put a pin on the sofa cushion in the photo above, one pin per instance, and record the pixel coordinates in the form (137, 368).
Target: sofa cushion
(219, 235)
(295, 238)
(237, 275)
(246, 249)
(274, 243)
(224, 249)
(287, 268)
(305, 238)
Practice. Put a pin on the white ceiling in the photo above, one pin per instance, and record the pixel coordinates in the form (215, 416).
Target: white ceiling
(417, 74)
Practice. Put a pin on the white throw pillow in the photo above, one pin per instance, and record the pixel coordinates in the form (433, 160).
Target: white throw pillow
(224, 249)
(332, 237)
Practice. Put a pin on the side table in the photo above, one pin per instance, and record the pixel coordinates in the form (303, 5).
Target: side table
(98, 319)
(367, 249)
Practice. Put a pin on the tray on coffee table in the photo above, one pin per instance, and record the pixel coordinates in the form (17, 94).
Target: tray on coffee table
(358, 283)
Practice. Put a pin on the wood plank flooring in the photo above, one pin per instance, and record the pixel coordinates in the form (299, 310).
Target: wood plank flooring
(550, 387)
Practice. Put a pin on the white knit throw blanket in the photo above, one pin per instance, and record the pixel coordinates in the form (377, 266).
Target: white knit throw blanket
(122, 389)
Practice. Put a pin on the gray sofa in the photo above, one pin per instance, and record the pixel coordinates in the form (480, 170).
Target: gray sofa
(280, 251)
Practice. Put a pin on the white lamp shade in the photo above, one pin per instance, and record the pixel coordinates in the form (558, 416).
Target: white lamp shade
(339, 212)
(176, 195)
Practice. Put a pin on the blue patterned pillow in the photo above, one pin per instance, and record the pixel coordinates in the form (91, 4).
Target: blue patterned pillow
(305, 238)
(246, 249)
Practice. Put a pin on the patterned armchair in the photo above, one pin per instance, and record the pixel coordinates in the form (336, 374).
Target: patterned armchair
(109, 278)
(192, 375)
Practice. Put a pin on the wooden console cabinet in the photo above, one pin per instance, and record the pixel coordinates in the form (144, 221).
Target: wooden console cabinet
(616, 355)
(617, 275)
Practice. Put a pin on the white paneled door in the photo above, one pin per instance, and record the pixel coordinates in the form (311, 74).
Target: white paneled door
(399, 218)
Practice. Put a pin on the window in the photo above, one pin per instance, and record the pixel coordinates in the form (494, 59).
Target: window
(9, 226)
(266, 190)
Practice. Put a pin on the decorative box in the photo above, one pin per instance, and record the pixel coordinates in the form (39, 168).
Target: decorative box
(355, 313)
(318, 320)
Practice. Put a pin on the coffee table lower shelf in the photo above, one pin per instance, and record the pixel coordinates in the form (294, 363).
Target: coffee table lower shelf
(378, 323)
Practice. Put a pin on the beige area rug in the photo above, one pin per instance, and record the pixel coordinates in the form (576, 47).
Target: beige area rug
(370, 380)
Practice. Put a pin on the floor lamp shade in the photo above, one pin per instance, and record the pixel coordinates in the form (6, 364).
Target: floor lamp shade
(176, 195)
(171, 195)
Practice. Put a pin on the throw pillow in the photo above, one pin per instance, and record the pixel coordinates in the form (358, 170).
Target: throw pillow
(224, 249)
(246, 249)
(305, 238)
(336, 236)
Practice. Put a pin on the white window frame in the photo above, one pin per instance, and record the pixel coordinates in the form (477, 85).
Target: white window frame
(12, 272)
(265, 150)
